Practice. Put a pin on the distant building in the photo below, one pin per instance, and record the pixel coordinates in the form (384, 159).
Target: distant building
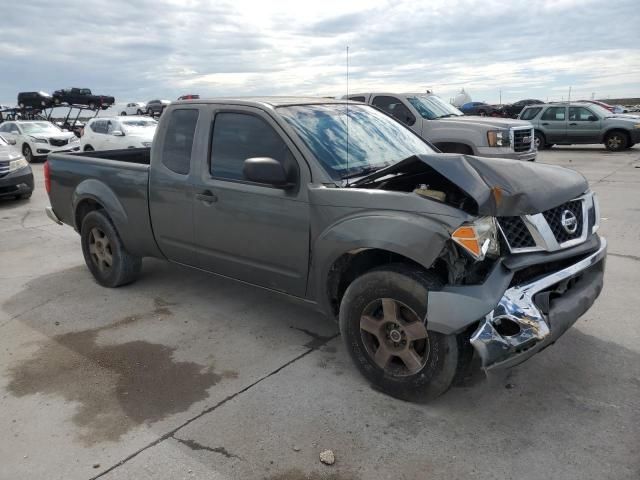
(460, 99)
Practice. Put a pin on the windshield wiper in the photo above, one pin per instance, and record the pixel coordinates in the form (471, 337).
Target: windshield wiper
(363, 171)
(448, 115)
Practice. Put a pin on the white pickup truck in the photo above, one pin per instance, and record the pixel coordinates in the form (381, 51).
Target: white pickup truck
(451, 131)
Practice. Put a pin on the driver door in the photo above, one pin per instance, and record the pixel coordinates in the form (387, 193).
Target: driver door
(252, 232)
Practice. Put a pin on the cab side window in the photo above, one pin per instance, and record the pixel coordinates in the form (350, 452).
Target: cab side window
(357, 98)
(555, 113)
(394, 107)
(178, 140)
(239, 136)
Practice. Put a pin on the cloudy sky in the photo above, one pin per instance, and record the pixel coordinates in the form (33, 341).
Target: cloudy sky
(143, 49)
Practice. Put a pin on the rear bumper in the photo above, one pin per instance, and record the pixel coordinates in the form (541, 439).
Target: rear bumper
(530, 317)
(16, 183)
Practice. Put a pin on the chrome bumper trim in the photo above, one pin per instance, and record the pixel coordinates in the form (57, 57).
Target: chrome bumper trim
(517, 307)
(52, 216)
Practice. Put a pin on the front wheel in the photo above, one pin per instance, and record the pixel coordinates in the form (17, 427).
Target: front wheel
(139, 112)
(616, 141)
(27, 153)
(382, 322)
(123, 114)
(105, 255)
(539, 141)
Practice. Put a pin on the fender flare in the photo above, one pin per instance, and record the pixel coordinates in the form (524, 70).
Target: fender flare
(92, 189)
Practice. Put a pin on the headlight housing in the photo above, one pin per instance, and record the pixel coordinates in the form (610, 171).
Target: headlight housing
(17, 164)
(479, 239)
(39, 140)
(498, 138)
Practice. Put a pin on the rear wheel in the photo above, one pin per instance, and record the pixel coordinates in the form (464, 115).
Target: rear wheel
(124, 114)
(105, 255)
(616, 141)
(139, 112)
(382, 324)
(88, 148)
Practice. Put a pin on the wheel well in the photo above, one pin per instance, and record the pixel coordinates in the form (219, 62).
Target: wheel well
(87, 146)
(452, 147)
(351, 265)
(83, 208)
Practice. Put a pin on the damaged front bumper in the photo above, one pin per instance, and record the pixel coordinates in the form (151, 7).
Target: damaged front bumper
(530, 317)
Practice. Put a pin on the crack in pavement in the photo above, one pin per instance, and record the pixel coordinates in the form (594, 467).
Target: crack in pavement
(171, 433)
(630, 257)
(193, 445)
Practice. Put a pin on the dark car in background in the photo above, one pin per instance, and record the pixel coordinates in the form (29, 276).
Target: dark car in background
(16, 177)
(156, 107)
(480, 108)
(513, 110)
(189, 96)
(34, 100)
(82, 96)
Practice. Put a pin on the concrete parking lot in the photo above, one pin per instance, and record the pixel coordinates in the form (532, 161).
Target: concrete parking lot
(186, 375)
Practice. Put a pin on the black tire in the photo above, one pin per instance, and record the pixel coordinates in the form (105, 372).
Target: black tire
(616, 141)
(540, 140)
(107, 259)
(149, 112)
(88, 148)
(442, 358)
(56, 101)
(123, 114)
(139, 112)
(482, 113)
(27, 153)
(92, 105)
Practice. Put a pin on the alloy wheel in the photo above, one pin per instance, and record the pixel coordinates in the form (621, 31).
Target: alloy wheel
(100, 249)
(614, 142)
(395, 337)
(28, 154)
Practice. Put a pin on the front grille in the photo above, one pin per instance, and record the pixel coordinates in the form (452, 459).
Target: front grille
(522, 139)
(554, 219)
(4, 168)
(516, 232)
(58, 143)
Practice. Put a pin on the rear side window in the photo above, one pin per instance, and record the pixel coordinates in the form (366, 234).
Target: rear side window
(99, 126)
(238, 136)
(357, 99)
(178, 140)
(554, 113)
(530, 113)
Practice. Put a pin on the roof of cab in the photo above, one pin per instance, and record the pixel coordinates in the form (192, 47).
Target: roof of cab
(264, 101)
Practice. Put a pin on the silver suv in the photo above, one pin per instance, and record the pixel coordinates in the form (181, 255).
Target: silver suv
(450, 130)
(581, 123)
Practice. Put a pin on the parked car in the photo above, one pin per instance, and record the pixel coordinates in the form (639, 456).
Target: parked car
(156, 107)
(581, 123)
(421, 256)
(16, 177)
(37, 100)
(82, 96)
(450, 131)
(606, 106)
(189, 96)
(114, 133)
(480, 108)
(134, 108)
(513, 110)
(37, 139)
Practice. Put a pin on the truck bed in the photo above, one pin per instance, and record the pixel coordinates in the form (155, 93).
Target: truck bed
(119, 176)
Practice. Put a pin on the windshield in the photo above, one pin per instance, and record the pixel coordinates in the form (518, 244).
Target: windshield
(139, 123)
(432, 107)
(39, 127)
(375, 139)
(3, 142)
(601, 111)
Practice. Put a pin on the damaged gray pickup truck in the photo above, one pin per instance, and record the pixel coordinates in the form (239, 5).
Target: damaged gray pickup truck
(423, 257)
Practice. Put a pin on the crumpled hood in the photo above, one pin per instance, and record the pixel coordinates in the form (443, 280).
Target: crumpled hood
(493, 122)
(500, 187)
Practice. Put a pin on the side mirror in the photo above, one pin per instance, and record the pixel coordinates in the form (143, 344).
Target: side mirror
(265, 170)
(592, 118)
(117, 133)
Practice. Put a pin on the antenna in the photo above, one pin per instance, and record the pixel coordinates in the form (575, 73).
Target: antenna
(569, 97)
(347, 114)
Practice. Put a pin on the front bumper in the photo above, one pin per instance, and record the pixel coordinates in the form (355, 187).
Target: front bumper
(15, 183)
(41, 149)
(531, 317)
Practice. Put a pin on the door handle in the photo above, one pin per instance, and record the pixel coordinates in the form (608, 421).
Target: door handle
(545, 123)
(573, 124)
(207, 197)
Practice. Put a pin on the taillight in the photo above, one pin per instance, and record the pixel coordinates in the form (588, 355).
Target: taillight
(47, 177)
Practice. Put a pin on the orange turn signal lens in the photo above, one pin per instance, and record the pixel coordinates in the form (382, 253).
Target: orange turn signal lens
(467, 238)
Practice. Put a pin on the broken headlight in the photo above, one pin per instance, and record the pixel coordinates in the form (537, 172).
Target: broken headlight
(479, 239)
